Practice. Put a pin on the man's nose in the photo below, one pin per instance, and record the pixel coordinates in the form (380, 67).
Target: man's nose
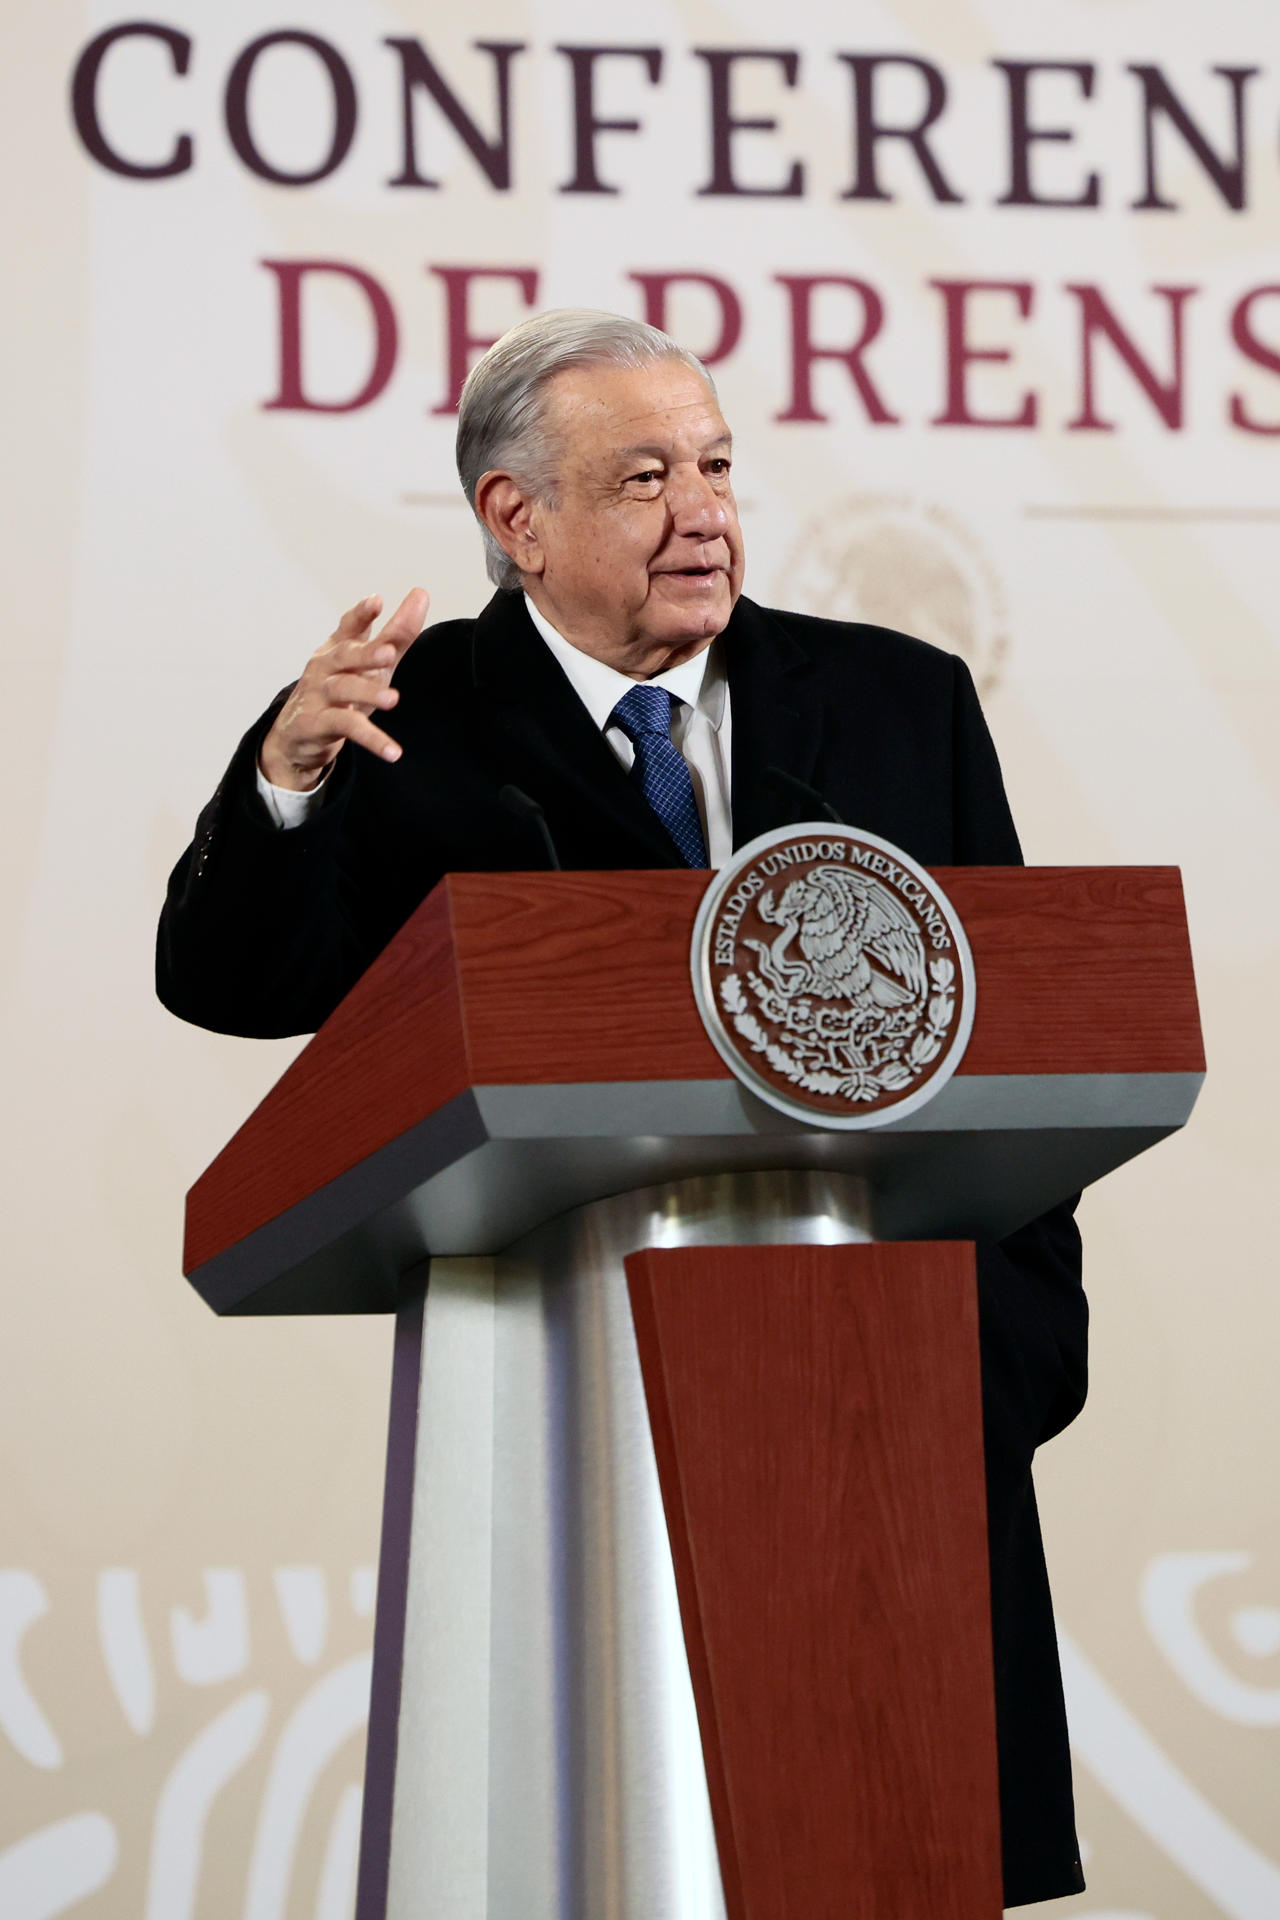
(697, 510)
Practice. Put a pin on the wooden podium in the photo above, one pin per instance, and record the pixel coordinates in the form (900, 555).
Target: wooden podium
(683, 1597)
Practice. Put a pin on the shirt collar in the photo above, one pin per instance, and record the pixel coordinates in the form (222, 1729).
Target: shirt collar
(698, 682)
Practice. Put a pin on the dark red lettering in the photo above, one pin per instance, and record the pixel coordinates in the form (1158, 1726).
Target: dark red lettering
(1096, 317)
(800, 290)
(587, 124)
(961, 355)
(463, 344)
(1253, 349)
(656, 287)
(84, 101)
(236, 105)
(726, 124)
(1158, 97)
(419, 71)
(869, 130)
(293, 397)
(1022, 135)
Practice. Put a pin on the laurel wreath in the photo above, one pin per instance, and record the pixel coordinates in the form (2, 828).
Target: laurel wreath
(817, 1036)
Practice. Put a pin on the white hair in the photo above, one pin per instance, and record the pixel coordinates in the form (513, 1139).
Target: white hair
(502, 413)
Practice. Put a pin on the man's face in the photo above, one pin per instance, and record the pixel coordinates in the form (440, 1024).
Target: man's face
(640, 560)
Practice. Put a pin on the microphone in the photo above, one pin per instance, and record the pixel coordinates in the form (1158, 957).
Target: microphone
(802, 790)
(518, 802)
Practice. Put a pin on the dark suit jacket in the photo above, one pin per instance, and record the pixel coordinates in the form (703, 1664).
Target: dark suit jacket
(263, 932)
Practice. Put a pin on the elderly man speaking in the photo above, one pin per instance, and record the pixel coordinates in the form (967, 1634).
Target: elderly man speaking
(620, 703)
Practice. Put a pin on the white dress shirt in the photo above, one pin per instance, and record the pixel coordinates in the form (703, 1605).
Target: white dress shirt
(700, 729)
(700, 722)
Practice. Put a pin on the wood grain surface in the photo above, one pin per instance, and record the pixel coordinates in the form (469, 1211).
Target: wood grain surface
(1079, 969)
(544, 978)
(393, 1051)
(575, 976)
(818, 1426)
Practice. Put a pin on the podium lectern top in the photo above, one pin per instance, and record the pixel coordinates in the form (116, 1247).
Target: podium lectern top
(529, 1042)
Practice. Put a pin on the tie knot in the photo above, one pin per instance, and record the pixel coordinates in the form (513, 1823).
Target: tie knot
(645, 709)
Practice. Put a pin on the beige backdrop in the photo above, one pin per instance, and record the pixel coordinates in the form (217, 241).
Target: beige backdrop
(189, 1510)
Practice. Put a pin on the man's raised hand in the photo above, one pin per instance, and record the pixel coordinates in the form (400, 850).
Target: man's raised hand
(343, 682)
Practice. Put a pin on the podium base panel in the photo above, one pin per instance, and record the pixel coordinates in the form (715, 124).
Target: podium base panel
(534, 1745)
(817, 1418)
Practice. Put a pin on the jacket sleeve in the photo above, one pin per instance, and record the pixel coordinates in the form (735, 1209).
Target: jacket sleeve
(256, 936)
(1031, 1298)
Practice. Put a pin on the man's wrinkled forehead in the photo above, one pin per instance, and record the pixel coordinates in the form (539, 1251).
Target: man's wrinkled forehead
(621, 412)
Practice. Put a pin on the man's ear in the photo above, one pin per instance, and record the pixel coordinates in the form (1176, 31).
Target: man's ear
(508, 513)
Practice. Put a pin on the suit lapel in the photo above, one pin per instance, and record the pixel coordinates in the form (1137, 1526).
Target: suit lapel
(777, 722)
(570, 763)
(777, 719)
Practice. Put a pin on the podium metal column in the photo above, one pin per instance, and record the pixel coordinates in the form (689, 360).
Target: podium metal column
(541, 1754)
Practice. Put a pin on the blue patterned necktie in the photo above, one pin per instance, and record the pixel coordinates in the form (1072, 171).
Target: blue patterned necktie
(644, 715)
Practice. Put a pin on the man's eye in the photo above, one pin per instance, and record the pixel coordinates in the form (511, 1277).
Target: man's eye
(649, 474)
(718, 466)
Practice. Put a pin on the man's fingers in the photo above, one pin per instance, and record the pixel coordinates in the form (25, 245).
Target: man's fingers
(406, 623)
(351, 634)
(356, 690)
(359, 656)
(347, 678)
(353, 726)
(357, 620)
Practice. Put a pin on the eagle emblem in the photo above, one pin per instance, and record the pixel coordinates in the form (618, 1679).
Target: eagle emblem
(832, 970)
(858, 944)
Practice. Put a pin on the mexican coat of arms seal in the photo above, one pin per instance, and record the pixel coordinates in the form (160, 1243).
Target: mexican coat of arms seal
(833, 976)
